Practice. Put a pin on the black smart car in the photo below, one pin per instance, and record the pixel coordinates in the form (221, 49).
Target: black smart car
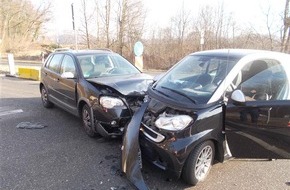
(100, 86)
(212, 105)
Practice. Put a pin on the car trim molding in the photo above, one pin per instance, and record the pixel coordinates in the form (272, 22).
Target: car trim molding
(159, 137)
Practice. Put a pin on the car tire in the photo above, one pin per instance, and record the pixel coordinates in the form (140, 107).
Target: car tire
(87, 121)
(44, 98)
(199, 163)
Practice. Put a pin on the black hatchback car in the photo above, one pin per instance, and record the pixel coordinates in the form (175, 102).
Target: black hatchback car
(212, 105)
(100, 86)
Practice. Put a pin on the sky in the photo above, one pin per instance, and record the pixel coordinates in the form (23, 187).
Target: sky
(244, 11)
(159, 12)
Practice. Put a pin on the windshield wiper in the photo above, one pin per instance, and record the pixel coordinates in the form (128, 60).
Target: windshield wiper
(180, 93)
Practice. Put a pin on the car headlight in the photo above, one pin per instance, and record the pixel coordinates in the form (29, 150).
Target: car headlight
(173, 123)
(110, 102)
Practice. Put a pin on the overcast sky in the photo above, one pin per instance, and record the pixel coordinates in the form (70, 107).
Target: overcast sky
(159, 12)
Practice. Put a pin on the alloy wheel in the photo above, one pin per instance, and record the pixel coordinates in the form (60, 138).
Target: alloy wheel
(203, 162)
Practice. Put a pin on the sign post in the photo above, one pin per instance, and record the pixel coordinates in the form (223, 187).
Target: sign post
(73, 24)
(201, 40)
(138, 51)
(11, 64)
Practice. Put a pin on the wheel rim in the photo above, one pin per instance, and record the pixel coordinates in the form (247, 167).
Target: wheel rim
(44, 95)
(87, 119)
(203, 163)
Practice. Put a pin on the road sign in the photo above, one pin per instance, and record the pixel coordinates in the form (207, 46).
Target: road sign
(138, 48)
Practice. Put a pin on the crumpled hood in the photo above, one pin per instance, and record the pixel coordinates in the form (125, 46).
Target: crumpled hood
(126, 84)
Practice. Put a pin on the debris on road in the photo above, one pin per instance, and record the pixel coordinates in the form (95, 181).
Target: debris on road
(28, 125)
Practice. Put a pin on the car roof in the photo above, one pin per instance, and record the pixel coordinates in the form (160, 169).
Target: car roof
(239, 53)
(85, 52)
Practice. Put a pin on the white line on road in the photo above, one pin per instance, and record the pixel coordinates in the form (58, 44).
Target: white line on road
(9, 112)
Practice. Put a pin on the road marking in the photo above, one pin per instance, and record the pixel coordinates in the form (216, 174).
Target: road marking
(9, 112)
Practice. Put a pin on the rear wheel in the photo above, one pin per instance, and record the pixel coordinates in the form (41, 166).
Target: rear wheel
(87, 121)
(44, 98)
(199, 163)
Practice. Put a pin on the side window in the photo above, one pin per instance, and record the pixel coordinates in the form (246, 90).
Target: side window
(68, 65)
(46, 63)
(264, 80)
(55, 62)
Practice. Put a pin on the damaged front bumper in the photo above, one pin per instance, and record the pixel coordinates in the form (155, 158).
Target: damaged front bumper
(131, 155)
(112, 121)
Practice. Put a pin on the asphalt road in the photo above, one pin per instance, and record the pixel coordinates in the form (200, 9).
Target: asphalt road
(62, 156)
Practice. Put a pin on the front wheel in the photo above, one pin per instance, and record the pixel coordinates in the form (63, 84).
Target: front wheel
(199, 163)
(87, 121)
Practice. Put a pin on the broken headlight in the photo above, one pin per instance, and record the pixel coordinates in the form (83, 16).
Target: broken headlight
(110, 102)
(173, 122)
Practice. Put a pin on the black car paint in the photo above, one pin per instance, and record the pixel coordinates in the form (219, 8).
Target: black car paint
(172, 154)
(126, 84)
(123, 87)
(72, 94)
(270, 134)
(210, 124)
(219, 122)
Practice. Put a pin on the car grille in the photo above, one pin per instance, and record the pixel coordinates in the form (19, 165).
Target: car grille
(149, 130)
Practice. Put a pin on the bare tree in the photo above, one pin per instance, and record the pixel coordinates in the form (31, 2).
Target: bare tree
(86, 18)
(104, 12)
(205, 25)
(130, 18)
(220, 19)
(20, 23)
(180, 26)
(107, 22)
(122, 19)
(269, 24)
(286, 28)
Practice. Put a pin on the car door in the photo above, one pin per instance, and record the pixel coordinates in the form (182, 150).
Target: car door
(260, 127)
(50, 75)
(65, 87)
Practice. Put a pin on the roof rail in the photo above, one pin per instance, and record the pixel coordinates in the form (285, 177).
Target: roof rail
(104, 49)
(62, 49)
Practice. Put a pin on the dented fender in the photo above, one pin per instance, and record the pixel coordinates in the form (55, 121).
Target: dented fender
(131, 157)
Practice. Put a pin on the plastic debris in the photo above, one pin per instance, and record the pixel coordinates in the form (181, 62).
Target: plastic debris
(122, 187)
(28, 125)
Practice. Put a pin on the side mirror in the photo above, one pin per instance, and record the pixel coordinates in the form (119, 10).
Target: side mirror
(67, 75)
(238, 97)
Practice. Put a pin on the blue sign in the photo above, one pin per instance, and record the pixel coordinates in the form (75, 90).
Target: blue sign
(138, 48)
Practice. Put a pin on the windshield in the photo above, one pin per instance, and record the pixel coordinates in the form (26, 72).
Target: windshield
(104, 65)
(195, 78)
